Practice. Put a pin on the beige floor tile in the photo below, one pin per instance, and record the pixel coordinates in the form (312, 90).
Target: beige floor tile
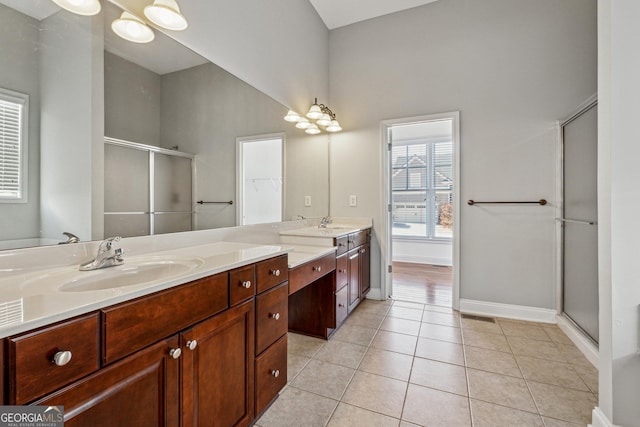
(551, 372)
(405, 313)
(401, 326)
(500, 389)
(295, 363)
(434, 408)
(366, 320)
(440, 350)
(489, 415)
(552, 422)
(526, 330)
(439, 375)
(480, 325)
(295, 408)
(556, 334)
(325, 379)
(393, 341)
(354, 334)
(573, 355)
(350, 416)
(374, 307)
(563, 403)
(376, 393)
(589, 375)
(447, 319)
(341, 353)
(491, 360)
(441, 332)
(408, 304)
(486, 340)
(303, 345)
(408, 424)
(535, 348)
(387, 363)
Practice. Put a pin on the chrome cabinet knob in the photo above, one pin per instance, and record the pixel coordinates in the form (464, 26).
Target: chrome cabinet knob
(246, 284)
(175, 353)
(275, 272)
(342, 270)
(61, 358)
(275, 373)
(192, 344)
(362, 251)
(274, 316)
(340, 305)
(318, 269)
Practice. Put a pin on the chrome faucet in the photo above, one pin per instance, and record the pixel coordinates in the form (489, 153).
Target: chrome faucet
(71, 238)
(107, 256)
(324, 222)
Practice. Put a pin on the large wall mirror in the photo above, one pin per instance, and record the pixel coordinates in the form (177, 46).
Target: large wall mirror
(83, 83)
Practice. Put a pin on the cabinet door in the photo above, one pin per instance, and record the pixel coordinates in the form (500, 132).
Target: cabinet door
(141, 390)
(354, 278)
(365, 269)
(218, 374)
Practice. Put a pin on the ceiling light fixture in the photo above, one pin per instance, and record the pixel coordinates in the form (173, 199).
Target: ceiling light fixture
(81, 7)
(320, 114)
(166, 14)
(132, 28)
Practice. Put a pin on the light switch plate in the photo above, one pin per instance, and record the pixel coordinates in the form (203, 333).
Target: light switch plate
(307, 200)
(353, 200)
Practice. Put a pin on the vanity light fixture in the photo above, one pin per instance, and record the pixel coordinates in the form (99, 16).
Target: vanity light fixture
(166, 14)
(132, 28)
(318, 113)
(81, 7)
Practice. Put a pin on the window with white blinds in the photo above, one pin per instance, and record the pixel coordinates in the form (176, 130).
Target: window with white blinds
(13, 146)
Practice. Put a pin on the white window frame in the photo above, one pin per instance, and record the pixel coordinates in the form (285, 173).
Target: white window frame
(23, 174)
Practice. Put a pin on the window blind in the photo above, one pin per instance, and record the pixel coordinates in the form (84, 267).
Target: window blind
(10, 148)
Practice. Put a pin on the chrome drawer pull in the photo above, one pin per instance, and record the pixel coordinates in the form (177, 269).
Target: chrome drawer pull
(175, 353)
(275, 373)
(192, 344)
(246, 284)
(274, 316)
(61, 358)
(340, 305)
(275, 272)
(318, 269)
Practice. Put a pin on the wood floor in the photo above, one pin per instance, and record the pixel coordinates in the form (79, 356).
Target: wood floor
(422, 283)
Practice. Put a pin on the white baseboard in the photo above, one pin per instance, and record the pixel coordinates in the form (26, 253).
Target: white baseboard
(583, 343)
(599, 419)
(518, 312)
(416, 259)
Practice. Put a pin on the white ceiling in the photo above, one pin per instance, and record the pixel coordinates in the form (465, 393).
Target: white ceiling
(338, 13)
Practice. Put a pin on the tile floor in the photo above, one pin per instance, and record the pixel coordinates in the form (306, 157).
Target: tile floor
(405, 364)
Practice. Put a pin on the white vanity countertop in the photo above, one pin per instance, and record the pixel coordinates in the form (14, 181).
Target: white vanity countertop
(331, 230)
(35, 298)
(300, 254)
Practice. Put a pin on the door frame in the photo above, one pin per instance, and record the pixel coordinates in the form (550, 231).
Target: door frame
(386, 243)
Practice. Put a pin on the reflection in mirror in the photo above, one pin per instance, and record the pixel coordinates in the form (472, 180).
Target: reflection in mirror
(85, 84)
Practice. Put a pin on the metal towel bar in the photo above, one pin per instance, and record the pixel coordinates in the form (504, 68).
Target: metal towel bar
(201, 202)
(537, 202)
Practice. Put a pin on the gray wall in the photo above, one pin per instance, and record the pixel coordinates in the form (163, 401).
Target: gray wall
(512, 68)
(19, 72)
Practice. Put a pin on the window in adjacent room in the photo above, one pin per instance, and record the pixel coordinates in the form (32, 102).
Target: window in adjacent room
(14, 110)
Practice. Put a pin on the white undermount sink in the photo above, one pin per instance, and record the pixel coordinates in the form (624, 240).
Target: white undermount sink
(135, 271)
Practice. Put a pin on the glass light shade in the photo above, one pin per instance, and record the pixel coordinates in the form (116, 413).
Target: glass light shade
(166, 14)
(312, 129)
(314, 112)
(303, 123)
(131, 28)
(81, 7)
(334, 126)
(292, 116)
(324, 120)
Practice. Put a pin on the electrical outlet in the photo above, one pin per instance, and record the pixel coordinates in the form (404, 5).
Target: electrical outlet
(353, 200)
(307, 200)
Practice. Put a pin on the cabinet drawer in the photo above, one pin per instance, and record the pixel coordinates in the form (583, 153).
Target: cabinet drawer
(271, 272)
(133, 325)
(33, 372)
(306, 273)
(358, 239)
(342, 274)
(342, 244)
(271, 373)
(242, 284)
(342, 303)
(272, 322)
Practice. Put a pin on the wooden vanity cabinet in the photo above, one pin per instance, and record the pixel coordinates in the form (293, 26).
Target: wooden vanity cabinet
(358, 267)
